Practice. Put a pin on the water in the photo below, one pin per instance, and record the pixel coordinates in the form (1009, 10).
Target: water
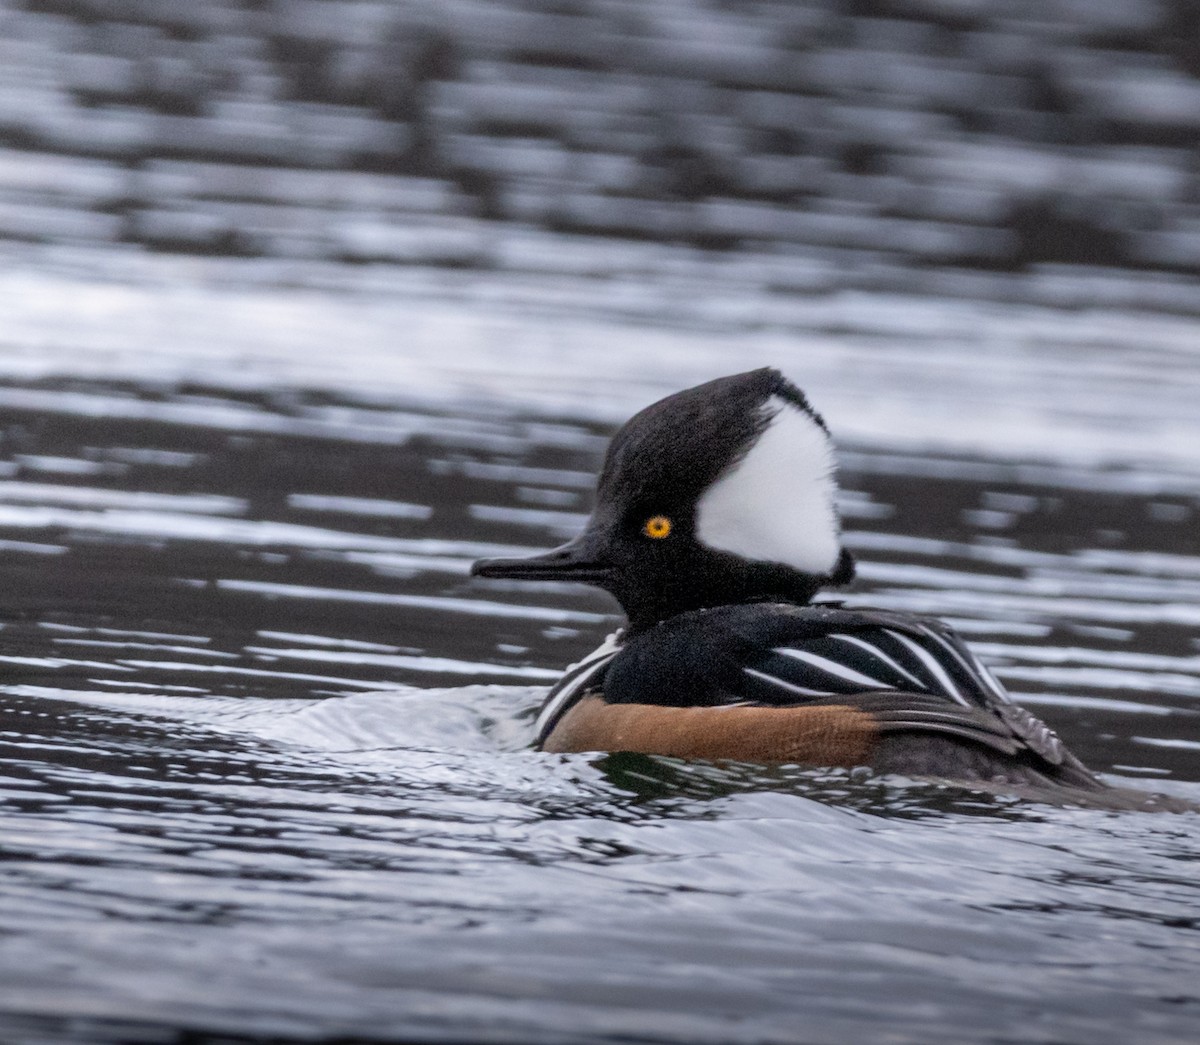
(264, 742)
(288, 343)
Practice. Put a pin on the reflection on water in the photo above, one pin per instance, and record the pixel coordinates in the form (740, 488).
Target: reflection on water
(309, 305)
(254, 707)
(875, 136)
(310, 550)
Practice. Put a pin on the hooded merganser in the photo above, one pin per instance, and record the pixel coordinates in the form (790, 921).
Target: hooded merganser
(715, 525)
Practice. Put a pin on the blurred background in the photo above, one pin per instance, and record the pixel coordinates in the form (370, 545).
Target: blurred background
(306, 304)
(504, 198)
(832, 143)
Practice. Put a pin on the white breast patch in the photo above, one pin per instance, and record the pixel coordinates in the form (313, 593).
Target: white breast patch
(777, 503)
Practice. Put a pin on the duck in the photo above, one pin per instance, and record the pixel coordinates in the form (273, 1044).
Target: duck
(716, 529)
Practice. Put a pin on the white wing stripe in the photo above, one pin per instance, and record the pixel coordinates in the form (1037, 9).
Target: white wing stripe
(832, 667)
(774, 681)
(876, 652)
(586, 670)
(972, 666)
(985, 673)
(564, 696)
(934, 667)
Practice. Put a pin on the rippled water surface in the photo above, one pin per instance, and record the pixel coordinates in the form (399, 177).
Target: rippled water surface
(287, 343)
(264, 754)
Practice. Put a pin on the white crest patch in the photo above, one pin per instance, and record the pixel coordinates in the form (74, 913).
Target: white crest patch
(777, 503)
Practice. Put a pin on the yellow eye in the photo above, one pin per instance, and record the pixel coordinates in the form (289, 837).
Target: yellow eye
(657, 527)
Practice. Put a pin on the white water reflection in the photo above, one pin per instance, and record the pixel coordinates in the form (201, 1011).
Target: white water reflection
(306, 306)
(369, 506)
(1041, 607)
(126, 500)
(442, 604)
(990, 379)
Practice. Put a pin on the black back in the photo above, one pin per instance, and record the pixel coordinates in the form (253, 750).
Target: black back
(912, 675)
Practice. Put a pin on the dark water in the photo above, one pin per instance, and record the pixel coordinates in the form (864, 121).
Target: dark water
(308, 305)
(264, 767)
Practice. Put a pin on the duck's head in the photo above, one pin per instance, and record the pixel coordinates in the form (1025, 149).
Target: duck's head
(719, 494)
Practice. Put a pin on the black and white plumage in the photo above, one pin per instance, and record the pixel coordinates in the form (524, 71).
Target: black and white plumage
(715, 526)
(925, 692)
